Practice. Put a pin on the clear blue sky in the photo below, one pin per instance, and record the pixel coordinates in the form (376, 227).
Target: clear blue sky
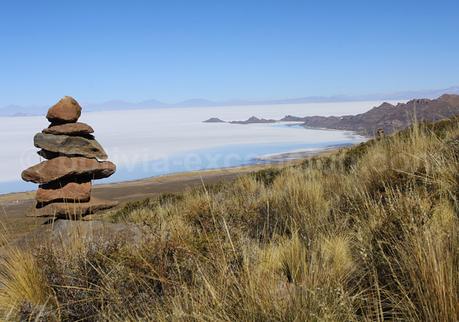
(174, 50)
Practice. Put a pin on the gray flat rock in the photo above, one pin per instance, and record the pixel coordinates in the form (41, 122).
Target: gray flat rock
(70, 145)
(64, 233)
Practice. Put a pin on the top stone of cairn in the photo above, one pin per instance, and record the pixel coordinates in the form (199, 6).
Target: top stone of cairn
(67, 110)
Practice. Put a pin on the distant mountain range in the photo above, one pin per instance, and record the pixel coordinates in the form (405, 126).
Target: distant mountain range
(114, 105)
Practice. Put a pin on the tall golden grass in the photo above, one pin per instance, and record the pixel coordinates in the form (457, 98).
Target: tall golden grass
(367, 234)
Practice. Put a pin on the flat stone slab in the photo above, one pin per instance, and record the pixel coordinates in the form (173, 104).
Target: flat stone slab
(70, 145)
(65, 167)
(67, 110)
(65, 192)
(72, 210)
(63, 233)
(69, 129)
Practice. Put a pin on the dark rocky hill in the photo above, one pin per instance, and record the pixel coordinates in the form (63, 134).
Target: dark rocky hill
(253, 120)
(388, 117)
(214, 120)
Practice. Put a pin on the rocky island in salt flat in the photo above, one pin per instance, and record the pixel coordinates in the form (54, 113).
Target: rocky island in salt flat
(214, 120)
(74, 159)
(385, 117)
(254, 120)
(251, 120)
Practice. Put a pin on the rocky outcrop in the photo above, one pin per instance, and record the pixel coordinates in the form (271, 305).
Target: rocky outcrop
(214, 120)
(253, 120)
(387, 117)
(291, 118)
(73, 160)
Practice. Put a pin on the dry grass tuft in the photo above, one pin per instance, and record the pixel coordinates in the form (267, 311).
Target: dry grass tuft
(24, 291)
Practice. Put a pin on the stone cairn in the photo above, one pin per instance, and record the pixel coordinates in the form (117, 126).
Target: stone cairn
(73, 160)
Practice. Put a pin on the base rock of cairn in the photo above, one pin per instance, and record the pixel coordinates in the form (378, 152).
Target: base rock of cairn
(74, 158)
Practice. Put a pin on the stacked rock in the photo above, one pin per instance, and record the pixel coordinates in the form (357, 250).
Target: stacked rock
(73, 160)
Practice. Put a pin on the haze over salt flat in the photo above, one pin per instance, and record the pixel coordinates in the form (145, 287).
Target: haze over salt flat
(145, 143)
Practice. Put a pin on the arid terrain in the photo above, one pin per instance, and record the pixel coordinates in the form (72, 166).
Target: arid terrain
(15, 206)
(361, 234)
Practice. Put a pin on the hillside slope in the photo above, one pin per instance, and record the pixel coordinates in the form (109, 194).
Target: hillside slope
(367, 234)
(387, 116)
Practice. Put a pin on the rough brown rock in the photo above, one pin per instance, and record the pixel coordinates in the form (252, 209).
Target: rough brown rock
(72, 210)
(65, 167)
(48, 155)
(70, 145)
(65, 191)
(63, 234)
(388, 117)
(67, 110)
(69, 129)
(72, 155)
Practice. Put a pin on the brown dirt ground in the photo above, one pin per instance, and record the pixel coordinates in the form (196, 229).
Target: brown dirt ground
(14, 207)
